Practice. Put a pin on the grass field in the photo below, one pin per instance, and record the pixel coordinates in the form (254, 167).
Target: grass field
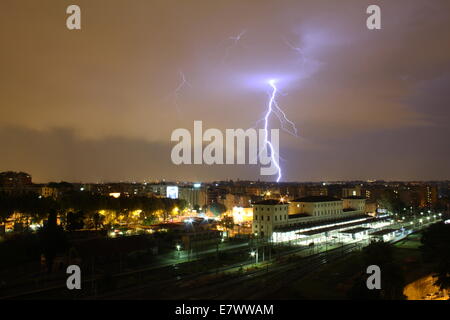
(411, 242)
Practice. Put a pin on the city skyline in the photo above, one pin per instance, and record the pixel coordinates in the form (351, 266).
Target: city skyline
(99, 104)
(230, 180)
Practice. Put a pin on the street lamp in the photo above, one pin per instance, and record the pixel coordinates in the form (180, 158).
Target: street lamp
(255, 254)
(178, 247)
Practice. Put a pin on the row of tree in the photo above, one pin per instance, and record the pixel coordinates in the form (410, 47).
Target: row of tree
(36, 207)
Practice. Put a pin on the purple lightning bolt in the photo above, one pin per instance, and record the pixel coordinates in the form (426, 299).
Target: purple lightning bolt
(176, 93)
(271, 105)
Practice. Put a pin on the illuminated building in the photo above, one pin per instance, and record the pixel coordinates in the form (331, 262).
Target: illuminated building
(354, 203)
(48, 192)
(236, 200)
(351, 192)
(194, 196)
(115, 195)
(313, 191)
(384, 235)
(271, 216)
(316, 206)
(172, 192)
(267, 215)
(241, 215)
(214, 195)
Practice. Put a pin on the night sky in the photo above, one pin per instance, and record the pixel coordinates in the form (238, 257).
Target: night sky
(100, 104)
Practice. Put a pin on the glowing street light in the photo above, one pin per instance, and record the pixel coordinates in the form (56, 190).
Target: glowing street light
(254, 253)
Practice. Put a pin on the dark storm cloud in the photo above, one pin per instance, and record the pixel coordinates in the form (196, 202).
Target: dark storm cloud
(365, 99)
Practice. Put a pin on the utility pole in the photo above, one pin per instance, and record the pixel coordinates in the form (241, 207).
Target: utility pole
(270, 252)
(217, 257)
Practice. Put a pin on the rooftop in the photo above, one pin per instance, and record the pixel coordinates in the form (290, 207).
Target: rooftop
(355, 197)
(355, 230)
(334, 228)
(270, 202)
(316, 199)
(304, 225)
(383, 232)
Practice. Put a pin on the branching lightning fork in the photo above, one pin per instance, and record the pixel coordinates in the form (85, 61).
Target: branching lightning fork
(235, 42)
(272, 103)
(176, 93)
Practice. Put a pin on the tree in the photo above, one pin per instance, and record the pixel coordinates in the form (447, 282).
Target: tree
(217, 209)
(75, 220)
(97, 220)
(380, 254)
(391, 202)
(150, 219)
(53, 240)
(228, 223)
(436, 249)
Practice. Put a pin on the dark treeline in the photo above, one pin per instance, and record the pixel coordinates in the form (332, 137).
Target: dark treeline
(37, 207)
